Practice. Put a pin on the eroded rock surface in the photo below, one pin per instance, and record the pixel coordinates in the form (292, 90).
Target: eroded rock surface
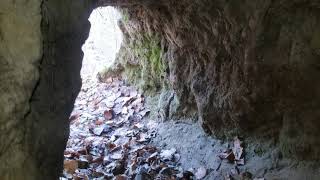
(248, 67)
(20, 53)
(64, 27)
(40, 57)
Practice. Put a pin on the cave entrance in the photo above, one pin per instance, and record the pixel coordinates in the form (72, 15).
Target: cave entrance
(102, 44)
(88, 122)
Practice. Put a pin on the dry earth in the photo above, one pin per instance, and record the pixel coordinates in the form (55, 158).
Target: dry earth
(110, 138)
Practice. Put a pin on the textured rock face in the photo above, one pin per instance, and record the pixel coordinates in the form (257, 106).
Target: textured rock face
(40, 57)
(248, 67)
(65, 27)
(20, 52)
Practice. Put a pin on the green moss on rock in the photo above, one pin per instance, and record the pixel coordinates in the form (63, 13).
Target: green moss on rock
(147, 68)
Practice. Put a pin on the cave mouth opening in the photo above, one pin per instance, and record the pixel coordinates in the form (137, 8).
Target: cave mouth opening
(100, 49)
(103, 42)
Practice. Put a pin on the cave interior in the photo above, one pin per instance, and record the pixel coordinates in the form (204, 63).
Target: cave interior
(211, 72)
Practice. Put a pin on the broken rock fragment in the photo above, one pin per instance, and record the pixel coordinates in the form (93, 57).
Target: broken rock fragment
(168, 155)
(101, 129)
(201, 173)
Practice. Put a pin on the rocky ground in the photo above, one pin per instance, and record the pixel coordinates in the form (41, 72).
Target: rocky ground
(111, 137)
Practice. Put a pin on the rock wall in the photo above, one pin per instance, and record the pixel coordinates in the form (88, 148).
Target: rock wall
(250, 68)
(40, 61)
(141, 54)
(20, 53)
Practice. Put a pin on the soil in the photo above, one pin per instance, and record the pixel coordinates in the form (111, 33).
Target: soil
(129, 132)
(200, 150)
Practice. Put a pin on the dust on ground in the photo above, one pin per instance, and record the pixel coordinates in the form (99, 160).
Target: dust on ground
(197, 149)
(112, 137)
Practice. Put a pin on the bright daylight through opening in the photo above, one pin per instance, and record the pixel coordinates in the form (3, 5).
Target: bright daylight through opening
(100, 50)
(103, 42)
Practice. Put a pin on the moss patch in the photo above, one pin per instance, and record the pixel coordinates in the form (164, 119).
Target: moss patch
(148, 73)
(125, 16)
